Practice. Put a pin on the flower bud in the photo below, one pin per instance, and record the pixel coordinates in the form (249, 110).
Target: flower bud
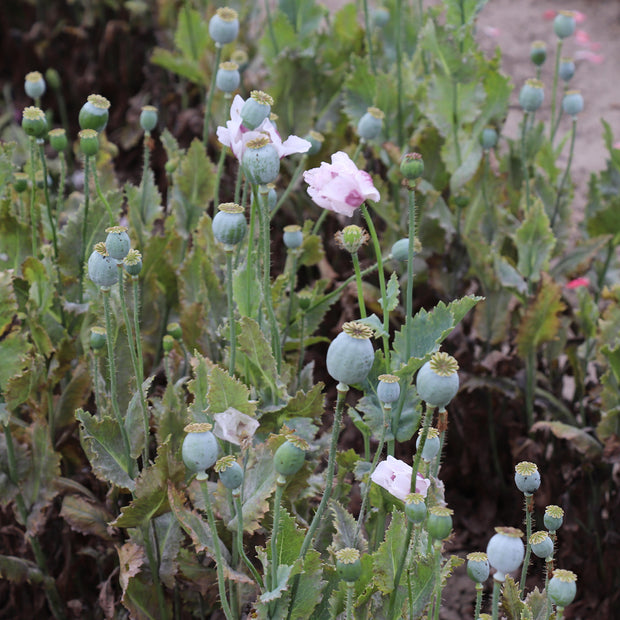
(572, 103)
(553, 518)
(415, 508)
(350, 355)
(228, 78)
(439, 524)
(256, 109)
(89, 142)
(566, 70)
(351, 238)
(200, 449)
(292, 237)
(148, 118)
(369, 126)
(58, 139)
(224, 26)
(53, 78)
(117, 242)
(527, 477)
(478, 566)
(102, 268)
(316, 140)
(34, 122)
(34, 85)
(241, 58)
(260, 161)
(412, 166)
(98, 338)
(564, 24)
(488, 138)
(167, 343)
(229, 224)
(532, 95)
(562, 587)
(348, 564)
(541, 544)
(505, 551)
(538, 53)
(133, 263)
(388, 389)
(94, 113)
(438, 380)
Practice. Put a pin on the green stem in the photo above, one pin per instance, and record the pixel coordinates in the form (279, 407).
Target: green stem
(455, 121)
(291, 185)
(218, 179)
(386, 314)
(291, 288)
(399, 74)
(556, 207)
(342, 390)
(105, 292)
(479, 589)
(558, 53)
(103, 199)
(428, 417)
(495, 605)
(280, 484)
(410, 255)
(529, 507)
(154, 565)
(358, 279)
(530, 386)
(137, 369)
(526, 176)
(348, 611)
(437, 593)
(205, 127)
(190, 30)
(488, 207)
(240, 550)
(221, 579)
(95, 374)
(319, 222)
(146, 158)
(399, 569)
(231, 312)
(34, 227)
(272, 35)
(371, 59)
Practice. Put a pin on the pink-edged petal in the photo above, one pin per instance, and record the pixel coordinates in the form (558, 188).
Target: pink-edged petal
(366, 186)
(422, 485)
(342, 163)
(293, 144)
(223, 135)
(320, 199)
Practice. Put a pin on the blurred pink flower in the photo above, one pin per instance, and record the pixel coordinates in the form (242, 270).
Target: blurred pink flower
(579, 16)
(236, 136)
(234, 426)
(491, 31)
(395, 477)
(582, 37)
(589, 56)
(340, 186)
(577, 282)
(549, 14)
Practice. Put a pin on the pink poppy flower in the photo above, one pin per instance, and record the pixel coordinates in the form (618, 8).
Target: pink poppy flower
(589, 56)
(577, 282)
(340, 186)
(236, 136)
(395, 477)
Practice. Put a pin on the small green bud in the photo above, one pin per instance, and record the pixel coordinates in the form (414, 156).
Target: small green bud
(102, 268)
(34, 85)
(488, 138)
(562, 587)
(133, 262)
(174, 329)
(34, 122)
(438, 380)
(316, 139)
(369, 126)
(224, 26)
(290, 456)
(200, 449)
(572, 103)
(412, 166)
(538, 53)
(564, 24)
(260, 161)
(231, 473)
(89, 142)
(117, 242)
(94, 113)
(415, 508)
(58, 139)
(228, 78)
(168, 343)
(229, 224)
(98, 338)
(566, 70)
(388, 388)
(256, 109)
(350, 355)
(527, 477)
(148, 118)
(293, 237)
(351, 238)
(348, 564)
(532, 95)
(541, 544)
(478, 566)
(20, 182)
(439, 524)
(553, 518)
(53, 78)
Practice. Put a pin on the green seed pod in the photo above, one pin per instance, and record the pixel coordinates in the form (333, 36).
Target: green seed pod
(564, 24)
(431, 445)
(412, 166)
(200, 449)
(94, 113)
(53, 78)
(400, 250)
(415, 508)
(224, 26)
(348, 564)
(289, 457)
(228, 78)
(102, 268)
(34, 122)
(231, 473)
(89, 142)
(256, 109)
(566, 70)
(538, 53)
(58, 139)
(148, 118)
(260, 161)
(34, 85)
(369, 126)
(351, 238)
(572, 103)
(439, 524)
(527, 477)
(20, 182)
(505, 551)
(478, 566)
(562, 587)
(293, 237)
(553, 518)
(350, 355)
(388, 388)
(98, 338)
(133, 263)
(117, 242)
(272, 197)
(438, 381)
(488, 138)
(380, 16)
(532, 95)
(541, 544)
(229, 224)
(174, 329)
(316, 140)
(167, 343)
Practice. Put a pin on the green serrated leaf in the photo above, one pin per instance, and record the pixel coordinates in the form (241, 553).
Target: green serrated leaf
(192, 34)
(169, 538)
(392, 292)
(536, 602)
(511, 602)
(535, 242)
(387, 556)
(375, 323)
(244, 289)
(345, 527)
(309, 404)
(143, 207)
(226, 391)
(181, 65)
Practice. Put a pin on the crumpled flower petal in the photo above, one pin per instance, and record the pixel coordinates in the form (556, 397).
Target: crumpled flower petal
(236, 136)
(340, 186)
(394, 476)
(234, 426)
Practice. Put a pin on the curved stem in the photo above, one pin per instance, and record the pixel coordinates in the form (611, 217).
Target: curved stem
(556, 207)
(240, 550)
(479, 588)
(495, 605)
(526, 176)
(399, 569)
(205, 127)
(34, 227)
(358, 280)
(221, 579)
(399, 73)
(291, 185)
(558, 53)
(84, 225)
(231, 312)
(529, 507)
(103, 199)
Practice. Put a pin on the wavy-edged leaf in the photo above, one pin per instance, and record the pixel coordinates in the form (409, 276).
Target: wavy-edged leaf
(345, 527)
(86, 517)
(19, 570)
(582, 441)
(535, 242)
(226, 392)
